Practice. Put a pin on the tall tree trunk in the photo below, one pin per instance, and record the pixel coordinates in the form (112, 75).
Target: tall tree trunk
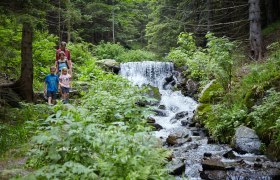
(24, 85)
(255, 29)
(68, 30)
(209, 15)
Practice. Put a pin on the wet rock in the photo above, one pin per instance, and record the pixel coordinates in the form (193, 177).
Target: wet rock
(195, 133)
(177, 169)
(184, 122)
(205, 132)
(213, 175)
(189, 139)
(210, 140)
(197, 125)
(212, 164)
(192, 124)
(157, 126)
(169, 81)
(171, 140)
(229, 155)
(191, 87)
(109, 65)
(246, 140)
(151, 120)
(173, 108)
(230, 168)
(181, 115)
(207, 154)
(182, 134)
(191, 147)
(257, 165)
(162, 107)
(160, 112)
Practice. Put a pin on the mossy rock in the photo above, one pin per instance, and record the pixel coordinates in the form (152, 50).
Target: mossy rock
(203, 112)
(153, 92)
(109, 65)
(212, 93)
(253, 96)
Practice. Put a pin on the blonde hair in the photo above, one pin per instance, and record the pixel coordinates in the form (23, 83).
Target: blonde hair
(52, 68)
(64, 69)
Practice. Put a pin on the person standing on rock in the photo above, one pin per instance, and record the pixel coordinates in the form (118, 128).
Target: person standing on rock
(62, 48)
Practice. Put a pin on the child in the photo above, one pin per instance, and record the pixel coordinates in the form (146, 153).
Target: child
(61, 63)
(51, 84)
(65, 83)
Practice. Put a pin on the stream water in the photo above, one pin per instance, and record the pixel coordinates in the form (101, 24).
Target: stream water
(194, 156)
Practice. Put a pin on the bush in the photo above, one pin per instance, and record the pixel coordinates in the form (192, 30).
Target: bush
(108, 50)
(136, 55)
(105, 137)
(21, 125)
(43, 56)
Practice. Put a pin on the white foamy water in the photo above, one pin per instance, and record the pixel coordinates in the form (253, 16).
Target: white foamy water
(154, 74)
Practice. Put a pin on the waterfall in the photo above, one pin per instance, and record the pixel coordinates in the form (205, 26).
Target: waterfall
(147, 72)
(154, 73)
(174, 114)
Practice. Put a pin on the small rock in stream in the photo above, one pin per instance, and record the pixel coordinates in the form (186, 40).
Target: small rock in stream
(212, 164)
(157, 126)
(171, 140)
(181, 115)
(151, 120)
(184, 122)
(207, 154)
(177, 169)
(229, 155)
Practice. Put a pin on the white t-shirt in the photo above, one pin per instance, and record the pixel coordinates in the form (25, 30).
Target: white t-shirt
(64, 80)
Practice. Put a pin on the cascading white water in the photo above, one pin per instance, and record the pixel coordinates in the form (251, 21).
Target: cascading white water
(154, 73)
(192, 152)
(147, 72)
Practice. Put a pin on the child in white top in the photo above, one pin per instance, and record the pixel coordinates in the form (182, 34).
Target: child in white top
(65, 84)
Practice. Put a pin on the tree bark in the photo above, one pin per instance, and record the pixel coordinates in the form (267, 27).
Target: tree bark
(255, 29)
(209, 14)
(24, 85)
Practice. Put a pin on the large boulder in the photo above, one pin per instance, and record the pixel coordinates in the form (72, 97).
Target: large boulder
(211, 93)
(246, 140)
(191, 88)
(109, 65)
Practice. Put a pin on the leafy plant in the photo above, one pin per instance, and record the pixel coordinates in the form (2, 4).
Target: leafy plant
(266, 116)
(137, 55)
(108, 50)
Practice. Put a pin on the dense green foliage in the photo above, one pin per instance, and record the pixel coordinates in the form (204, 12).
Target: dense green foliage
(103, 135)
(214, 61)
(119, 53)
(16, 124)
(253, 101)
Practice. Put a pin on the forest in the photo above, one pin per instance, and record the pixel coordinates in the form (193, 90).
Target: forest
(229, 50)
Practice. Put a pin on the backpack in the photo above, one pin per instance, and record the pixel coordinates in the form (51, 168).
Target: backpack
(63, 62)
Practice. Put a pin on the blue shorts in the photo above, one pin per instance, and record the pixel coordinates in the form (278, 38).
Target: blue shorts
(51, 94)
(65, 89)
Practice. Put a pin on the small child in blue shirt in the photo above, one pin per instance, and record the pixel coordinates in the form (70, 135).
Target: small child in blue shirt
(51, 85)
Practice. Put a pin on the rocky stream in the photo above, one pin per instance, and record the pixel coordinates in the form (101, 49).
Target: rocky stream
(194, 154)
